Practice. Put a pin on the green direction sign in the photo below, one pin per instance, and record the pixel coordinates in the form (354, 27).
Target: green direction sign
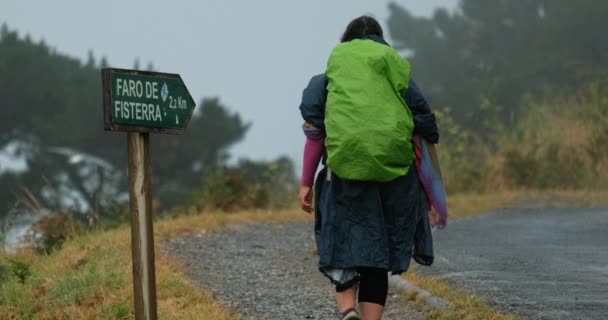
(144, 101)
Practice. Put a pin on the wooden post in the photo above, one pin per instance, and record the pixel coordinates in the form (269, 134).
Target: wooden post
(167, 107)
(142, 237)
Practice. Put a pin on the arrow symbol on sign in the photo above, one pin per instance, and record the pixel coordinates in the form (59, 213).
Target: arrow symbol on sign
(172, 99)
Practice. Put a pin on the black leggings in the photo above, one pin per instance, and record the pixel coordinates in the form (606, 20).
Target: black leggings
(373, 286)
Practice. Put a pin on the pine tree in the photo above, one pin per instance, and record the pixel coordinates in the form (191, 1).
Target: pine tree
(4, 31)
(55, 104)
(90, 59)
(488, 55)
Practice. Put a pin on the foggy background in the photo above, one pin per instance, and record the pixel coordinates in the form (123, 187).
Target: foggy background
(518, 89)
(257, 56)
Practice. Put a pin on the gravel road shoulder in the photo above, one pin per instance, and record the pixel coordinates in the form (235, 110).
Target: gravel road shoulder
(267, 271)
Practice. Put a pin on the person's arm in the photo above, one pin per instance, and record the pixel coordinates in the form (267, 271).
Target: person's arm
(314, 97)
(425, 123)
(312, 109)
(313, 151)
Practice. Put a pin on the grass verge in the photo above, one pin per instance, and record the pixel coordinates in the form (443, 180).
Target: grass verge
(470, 205)
(90, 277)
(465, 305)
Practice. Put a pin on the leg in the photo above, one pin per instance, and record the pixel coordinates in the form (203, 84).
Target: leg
(371, 311)
(372, 293)
(346, 298)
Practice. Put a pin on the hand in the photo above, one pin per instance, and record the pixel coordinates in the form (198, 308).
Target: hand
(305, 197)
(433, 217)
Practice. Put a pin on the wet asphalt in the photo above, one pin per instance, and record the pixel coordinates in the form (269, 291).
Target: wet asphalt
(536, 263)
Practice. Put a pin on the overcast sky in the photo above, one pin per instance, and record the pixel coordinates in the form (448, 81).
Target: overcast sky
(257, 56)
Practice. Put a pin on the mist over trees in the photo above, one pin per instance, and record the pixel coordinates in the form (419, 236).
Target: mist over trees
(51, 116)
(520, 89)
(485, 64)
(487, 56)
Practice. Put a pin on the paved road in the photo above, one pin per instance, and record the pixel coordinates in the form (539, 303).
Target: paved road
(539, 263)
(267, 271)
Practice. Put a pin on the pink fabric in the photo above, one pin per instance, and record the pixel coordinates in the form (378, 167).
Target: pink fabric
(429, 173)
(313, 151)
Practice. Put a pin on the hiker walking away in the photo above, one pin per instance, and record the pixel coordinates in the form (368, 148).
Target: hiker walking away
(370, 208)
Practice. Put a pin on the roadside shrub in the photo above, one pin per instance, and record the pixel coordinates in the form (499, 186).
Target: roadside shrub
(249, 185)
(20, 299)
(51, 231)
(118, 310)
(19, 269)
(558, 143)
(462, 154)
(4, 272)
(115, 214)
(231, 191)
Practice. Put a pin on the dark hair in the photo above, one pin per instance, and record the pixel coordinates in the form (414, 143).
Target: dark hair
(361, 27)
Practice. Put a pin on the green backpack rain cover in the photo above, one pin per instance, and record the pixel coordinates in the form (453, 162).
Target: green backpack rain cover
(368, 124)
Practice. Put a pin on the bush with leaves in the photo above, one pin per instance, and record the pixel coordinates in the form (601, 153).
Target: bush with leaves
(556, 143)
(4, 271)
(51, 231)
(249, 185)
(19, 269)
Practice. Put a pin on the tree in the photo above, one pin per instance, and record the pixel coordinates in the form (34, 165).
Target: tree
(488, 55)
(182, 161)
(136, 64)
(51, 110)
(4, 30)
(90, 59)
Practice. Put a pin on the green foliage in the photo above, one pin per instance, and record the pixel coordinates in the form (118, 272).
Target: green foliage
(250, 185)
(517, 86)
(19, 269)
(18, 296)
(78, 286)
(118, 310)
(114, 280)
(227, 192)
(51, 114)
(558, 143)
(50, 232)
(47, 95)
(4, 272)
(180, 161)
(488, 55)
(115, 214)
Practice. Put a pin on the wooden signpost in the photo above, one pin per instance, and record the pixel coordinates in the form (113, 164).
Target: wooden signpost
(141, 102)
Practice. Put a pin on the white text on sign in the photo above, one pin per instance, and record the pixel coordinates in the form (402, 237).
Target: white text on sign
(137, 110)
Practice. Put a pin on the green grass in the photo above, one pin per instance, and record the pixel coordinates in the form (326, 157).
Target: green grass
(90, 276)
(465, 305)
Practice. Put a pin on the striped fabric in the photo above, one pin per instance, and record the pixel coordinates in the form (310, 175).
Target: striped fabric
(427, 165)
